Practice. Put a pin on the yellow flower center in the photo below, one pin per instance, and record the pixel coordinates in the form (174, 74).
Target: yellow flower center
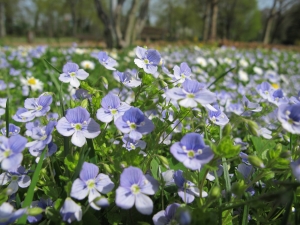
(135, 189)
(31, 81)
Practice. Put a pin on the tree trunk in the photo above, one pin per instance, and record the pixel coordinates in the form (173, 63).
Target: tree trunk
(117, 23)
(72, 4)
(205, 18)
(229, 21)
(269, 24)
(214, 20)
(130, 23)
(2, 20)
(108, 26)
(141, 20)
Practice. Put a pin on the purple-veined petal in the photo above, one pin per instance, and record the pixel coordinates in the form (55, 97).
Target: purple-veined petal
(175, 93)
(12, 187)
(139, 63)
(121, 125)
(192, 164)
(160, 218)
(104, 184)
(81, 74)
(64, 127)
(77, 115)
(135, 135)
(88, 171)
(146, 128)
(17, 143)
(30, 103)
(66, 78)
(205, 97)
(24, 181)
(150, 69)
(150, 185)
(140, 52)
(178, 152)
(93, 129)
(93, 194)
(78, 139)
(143, 204)
(188, 103)
(124, 198)
(74, 82)
(79, 189)
(103, 116)
(4, 179)
(12, 162)
(70, 67)
(185, 196)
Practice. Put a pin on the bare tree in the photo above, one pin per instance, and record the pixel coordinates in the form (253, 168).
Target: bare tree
(2, 19)
(113, 22)
(214, 20)
(278, 7)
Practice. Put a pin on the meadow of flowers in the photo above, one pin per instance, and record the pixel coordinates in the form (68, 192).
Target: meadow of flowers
(149, 136)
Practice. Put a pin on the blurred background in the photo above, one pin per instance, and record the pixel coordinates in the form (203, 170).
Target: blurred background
(120, 23)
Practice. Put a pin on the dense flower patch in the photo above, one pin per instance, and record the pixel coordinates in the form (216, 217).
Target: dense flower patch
(149, 136)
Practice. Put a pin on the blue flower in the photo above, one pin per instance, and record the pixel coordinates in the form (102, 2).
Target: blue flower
(70, 211)
(192, 151)
(289, 116)
(108, 62)
(71, 74)
(37, 106)
(12, 130)
(127, 79)
(8, 215)
(11, 151)
(277, 97)
(78, 123)
(19, 117)
(217, 117)
(43, 204)
(264, 89)
(186, 189)
(17, 178)
(42, 137)
(167, 216)
(90, 184)
(295, 166)
(133, 190)
(147, 59)
(112, 108)
(182, 72)
(192, 93)
(135, 123)
(131, 144)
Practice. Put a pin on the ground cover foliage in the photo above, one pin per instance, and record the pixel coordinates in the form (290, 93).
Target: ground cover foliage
(149, 136)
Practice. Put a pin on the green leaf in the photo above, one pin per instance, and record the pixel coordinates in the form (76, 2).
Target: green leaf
(154, 168)
(226, 148)
(30, 192)
(52, 192)
(261, 145)
(84, 103)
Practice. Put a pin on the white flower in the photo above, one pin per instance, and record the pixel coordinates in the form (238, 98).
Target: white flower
(244, 63)
(86, 64)
(32, 82)
(201, 61)
(243, 76)
(258, 70)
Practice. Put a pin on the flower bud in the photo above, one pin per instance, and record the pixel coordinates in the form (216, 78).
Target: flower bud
(255, 161)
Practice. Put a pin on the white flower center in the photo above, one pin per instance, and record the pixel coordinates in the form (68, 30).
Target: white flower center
(135, 189)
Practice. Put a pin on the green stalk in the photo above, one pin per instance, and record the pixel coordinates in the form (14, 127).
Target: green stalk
(222, 75)
(245, 215)
(7, 117)
(30, 192)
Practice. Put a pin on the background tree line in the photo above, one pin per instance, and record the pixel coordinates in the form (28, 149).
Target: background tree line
(120, 22)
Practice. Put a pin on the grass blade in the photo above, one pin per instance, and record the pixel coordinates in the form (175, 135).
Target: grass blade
(30, 192)
(222, 75)
(59, 89)
(7, 117)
